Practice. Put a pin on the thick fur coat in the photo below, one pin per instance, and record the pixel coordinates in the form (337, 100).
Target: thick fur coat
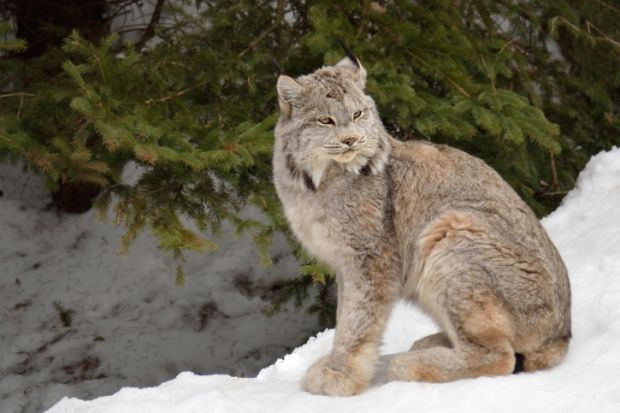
(416, 221)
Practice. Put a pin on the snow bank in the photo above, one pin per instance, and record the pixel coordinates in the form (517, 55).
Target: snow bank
(586, 229)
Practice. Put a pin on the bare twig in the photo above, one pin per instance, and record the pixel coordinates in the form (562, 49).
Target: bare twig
(556, 193)
(554, 173)
(150, 29)
(174, 95)
(609, 39)
(22, 94)
(276, 23)
(132, 28)
(21, 104)
(588, 30)
(610, 7)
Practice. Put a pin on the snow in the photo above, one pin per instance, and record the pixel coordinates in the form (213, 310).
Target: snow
(586, 229)
(130, 324)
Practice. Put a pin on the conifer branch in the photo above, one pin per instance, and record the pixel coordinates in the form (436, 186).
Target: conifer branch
(418, 59)
(266, 32)
(207, 154)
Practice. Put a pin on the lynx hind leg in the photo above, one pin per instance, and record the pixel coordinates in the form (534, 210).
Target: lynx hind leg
(547, 356)
(434, 340)
(482, 347)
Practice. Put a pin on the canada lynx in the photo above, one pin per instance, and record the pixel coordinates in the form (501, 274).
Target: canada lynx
(418, 221)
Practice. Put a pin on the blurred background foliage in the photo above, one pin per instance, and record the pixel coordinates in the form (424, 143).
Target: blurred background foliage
(530, 86)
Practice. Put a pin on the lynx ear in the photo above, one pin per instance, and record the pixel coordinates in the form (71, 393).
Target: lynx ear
(353, 65)
(288, 90)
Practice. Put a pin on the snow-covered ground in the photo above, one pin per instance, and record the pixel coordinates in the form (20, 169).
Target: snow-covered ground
(586, 229)
(77, 319)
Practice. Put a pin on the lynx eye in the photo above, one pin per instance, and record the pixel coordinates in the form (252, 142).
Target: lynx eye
(357, 114)
(326, 121)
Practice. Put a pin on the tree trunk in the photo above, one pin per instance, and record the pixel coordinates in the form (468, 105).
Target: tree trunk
(75, 197)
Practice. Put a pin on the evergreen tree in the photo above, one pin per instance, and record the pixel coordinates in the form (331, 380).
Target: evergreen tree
(530, 86)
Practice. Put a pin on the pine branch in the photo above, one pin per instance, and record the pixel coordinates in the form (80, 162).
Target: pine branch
(418, 59)
(276, 23)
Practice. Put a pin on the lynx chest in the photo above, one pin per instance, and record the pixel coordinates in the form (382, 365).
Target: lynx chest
(341, 220)
(319, 228)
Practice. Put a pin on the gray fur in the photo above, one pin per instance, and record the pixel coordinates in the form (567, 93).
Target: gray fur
(418, 221)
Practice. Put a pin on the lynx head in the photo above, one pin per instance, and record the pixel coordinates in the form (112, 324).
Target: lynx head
(326, 120)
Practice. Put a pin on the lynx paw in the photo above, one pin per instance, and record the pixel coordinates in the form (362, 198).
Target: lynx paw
(322, 379)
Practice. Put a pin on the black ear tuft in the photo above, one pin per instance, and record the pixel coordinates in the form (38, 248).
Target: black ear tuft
(348, 52)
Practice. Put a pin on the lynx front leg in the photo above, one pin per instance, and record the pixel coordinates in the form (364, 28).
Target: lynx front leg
(364, 304)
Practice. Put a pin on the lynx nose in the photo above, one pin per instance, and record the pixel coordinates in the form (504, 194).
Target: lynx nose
(349, 140)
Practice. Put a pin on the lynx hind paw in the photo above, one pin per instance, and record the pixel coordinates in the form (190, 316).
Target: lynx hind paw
(322, 379)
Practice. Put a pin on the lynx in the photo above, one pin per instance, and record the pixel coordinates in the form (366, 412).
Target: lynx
(417, 221)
